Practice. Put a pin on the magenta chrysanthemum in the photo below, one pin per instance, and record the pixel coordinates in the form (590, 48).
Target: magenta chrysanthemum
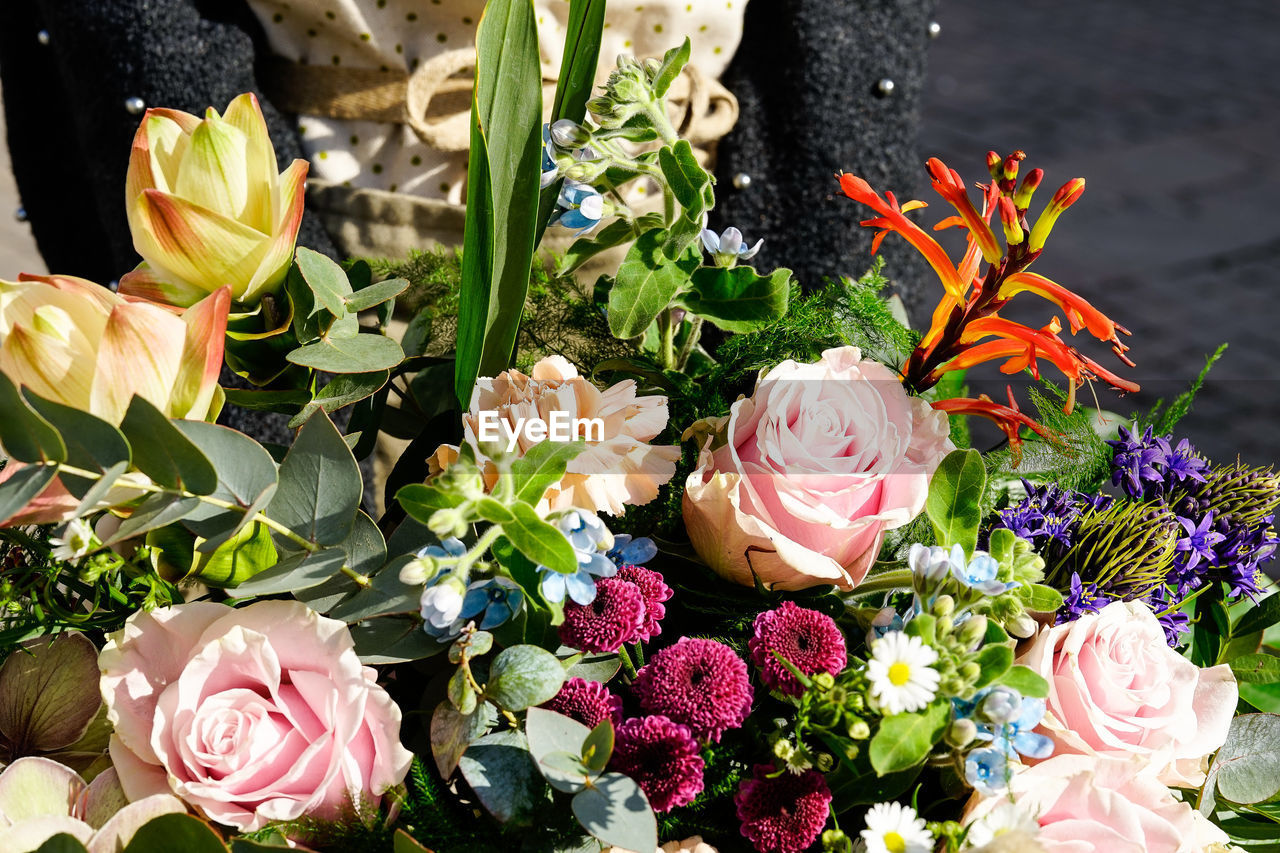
(782, 814)
(588, 702)
(700, 683)
(613, 618)
(809, 640)
(662, 757)
(654, 591)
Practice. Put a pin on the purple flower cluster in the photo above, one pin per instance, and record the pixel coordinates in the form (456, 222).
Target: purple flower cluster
(1047, 517)
(698, 683)
(1148, 466)
(627, 608)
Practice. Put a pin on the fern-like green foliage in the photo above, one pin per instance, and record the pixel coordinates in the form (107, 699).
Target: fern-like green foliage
(1163, 418)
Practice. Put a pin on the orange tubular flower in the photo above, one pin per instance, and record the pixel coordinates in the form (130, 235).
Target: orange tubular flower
(966, 328)
(1008, 418)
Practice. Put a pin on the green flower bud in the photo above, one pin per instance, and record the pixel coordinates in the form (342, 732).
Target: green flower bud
(961, 733)
(823, 761)
(944, 607)
(970, 671)
(973, 630)
(446, 522)
(824, 681)
(859, 730)
(419, 571)
(825, 716)
(783, 750)
(1021, 626)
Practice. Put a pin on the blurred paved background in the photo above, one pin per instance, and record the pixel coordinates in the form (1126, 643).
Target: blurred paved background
(1171, 110)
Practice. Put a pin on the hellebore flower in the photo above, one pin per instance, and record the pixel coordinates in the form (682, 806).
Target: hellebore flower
(207, 208)
(728, 248)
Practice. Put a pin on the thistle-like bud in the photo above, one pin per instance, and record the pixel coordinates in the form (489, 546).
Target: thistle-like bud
(835, 841)
(1066, 196)
(1013, 234)
(825, 716)
(823, 761)
(784, 750)
(1030, 183)
(824, 681)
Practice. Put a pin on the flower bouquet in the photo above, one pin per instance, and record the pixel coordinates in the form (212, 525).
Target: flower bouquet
(683, 557)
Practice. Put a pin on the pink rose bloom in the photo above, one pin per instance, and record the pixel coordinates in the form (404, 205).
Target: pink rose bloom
(807, 475)
(1117, 689)
(257, 714)
(619, 468)
(1090, 805)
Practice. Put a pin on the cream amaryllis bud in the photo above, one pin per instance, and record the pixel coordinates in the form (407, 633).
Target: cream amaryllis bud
(76, 343)
(207, 207)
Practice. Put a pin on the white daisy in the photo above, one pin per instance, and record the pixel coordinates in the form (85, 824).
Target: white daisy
(900, 673)
(1001, 820)
(77, 541)
(894, 828)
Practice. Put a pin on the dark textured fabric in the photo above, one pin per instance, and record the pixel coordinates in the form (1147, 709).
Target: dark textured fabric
(806, 78)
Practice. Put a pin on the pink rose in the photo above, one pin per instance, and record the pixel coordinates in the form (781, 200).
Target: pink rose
(800, 486)
(256, 714)
(618, 468)
(1090, 805)
(1117, 689)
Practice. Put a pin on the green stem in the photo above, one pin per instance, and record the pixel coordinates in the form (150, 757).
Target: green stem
(690, 341)
(467, 560)
(627, 665)
(668, 339)
(896, 579)
(639, 653)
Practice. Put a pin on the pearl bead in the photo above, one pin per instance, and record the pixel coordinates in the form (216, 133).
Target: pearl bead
(885, 86)
(43, 36)
(742, 180)
(935, 29)
(20, 214)
(135, 104)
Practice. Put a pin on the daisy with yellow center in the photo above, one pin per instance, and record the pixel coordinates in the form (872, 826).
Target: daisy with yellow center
(900, 672)
(895, 828)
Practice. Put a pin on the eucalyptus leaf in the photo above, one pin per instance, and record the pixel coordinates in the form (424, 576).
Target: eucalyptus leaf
(375, 294)
(355, 354)
(299, 571)
(327, 281)
(24, 434)
(392, 639)
(954, 504)
(502, 774)
(156, 511)
(1247, 767)
(24, 485)
(522, 676)
(598, 748)
(246, 479)
(385, 594)
(61, 843)
(904, 740)
(320, 484)
(451, 734)
(171, 832)
(343, 390)
(163, 453)
(91, 443)
(281, 402)
(616, 811)
(550, 733)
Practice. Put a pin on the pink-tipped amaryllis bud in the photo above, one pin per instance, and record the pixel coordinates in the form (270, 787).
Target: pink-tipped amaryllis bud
(1066, 196)
(207, 207)
(1009, 221)
(1030, 183)
(78, 344)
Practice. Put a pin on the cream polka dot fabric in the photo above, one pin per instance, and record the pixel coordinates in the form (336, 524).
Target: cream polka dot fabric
(401, 34)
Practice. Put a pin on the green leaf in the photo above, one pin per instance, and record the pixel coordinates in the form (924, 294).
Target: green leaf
(405, 843)
(376, 294)
(171, 832)
(684, 233)
(1041, 598)
(598, 747)
(592, 667)
(385, 594)
(522, 676)
(98, 491)
(163, 453)
(903, 740)
(502, 774)
(280, 402)
(542, 465)
(954, 504)
(673, 62)
(1026, 681)
(92, 443)
(391, 639)
(616, 811)
(156, 511)
(1211, 631)
(24, 485)
(995, 661)
(355, 354)
(541, 542)
(525, 573)
(326, 280)
(1259, 618)
(493, 511)
(1260, 668)
(61, 843)
(299, 571)
(245, 554)
(421, 501)
(24, 434)
(550, 733)
(646, 283)
(1264, 697)
(738, 299)
(1247, 767)
(686, 178)
(502, 193)
(246, 479)
(584, 249)
(452, 733)
(48, 693)
(320, 484)
(343, 390)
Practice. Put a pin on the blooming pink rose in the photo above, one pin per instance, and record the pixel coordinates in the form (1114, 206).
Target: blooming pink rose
(256, 714)
(1085, 804)
(1116, 688)
(810, 471)
(618, 468)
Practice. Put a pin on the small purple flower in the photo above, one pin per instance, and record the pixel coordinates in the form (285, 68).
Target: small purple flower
(1199, 540)
(1081, 599)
